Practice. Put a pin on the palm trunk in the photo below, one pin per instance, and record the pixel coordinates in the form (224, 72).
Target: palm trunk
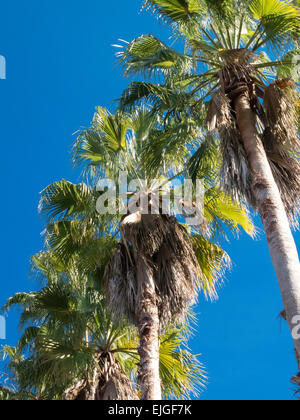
(148, 325)
(269, 204)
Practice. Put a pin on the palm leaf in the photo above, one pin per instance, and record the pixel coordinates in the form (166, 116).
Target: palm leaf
(64, 199)
(181, 373)
(175, 10)
(148, 55)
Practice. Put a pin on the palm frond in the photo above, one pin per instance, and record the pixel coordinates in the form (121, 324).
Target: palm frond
(220, 210)
(163, 241)
(279, 21)
(205, 162)
(64, 199)
(168, 149)
(287, 67)
(213, 261)
(103, 142)
(182, 375)
(281, 142)
(149, 56)
(21, 300)
(143, 92)
(235, 171)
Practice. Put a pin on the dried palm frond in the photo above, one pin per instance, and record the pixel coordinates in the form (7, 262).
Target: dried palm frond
(121, 284)
(166, 249)
(177, 273)
(108, 383)
(281, 143)
(237, 74)
(112, 383)
(239, 59)
(235, 171)
(80, 391)
(296, 381)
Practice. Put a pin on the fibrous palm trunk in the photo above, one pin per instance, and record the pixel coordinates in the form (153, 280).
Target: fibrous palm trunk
(269, 204)
(148, 326)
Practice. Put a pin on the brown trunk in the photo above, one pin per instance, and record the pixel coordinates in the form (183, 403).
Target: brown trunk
(281, 243)
(148, 325)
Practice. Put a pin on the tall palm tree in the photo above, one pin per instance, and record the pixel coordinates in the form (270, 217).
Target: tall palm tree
(236, 66)
(157, 266)
(72, 349)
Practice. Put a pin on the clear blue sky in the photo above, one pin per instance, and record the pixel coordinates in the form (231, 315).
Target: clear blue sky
(60, 65)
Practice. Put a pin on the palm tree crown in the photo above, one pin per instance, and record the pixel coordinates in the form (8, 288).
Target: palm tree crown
(225, 55)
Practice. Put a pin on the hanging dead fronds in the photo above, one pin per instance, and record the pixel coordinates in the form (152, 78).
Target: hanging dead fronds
(121, 283)
(108, 383)
(166, 248)
(235, 171)
(80, 391)
(112, 382)
(177, 273)
(279, 102)
(296, 381)
(281, 142)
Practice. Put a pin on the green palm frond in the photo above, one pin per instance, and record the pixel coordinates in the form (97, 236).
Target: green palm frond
(85, 241)
(29, 335)
(12, 353)
(56, 303)
(213, 261)
(21, 300)
(7, 394)
(55, 358)
(220, 211)
(205, 162)
(112, 127)
(178, 11)
(224, 10)
(142, 120)
(143, 92)
(148, 55)
(104, 141)
(64, 199)
(94, 257)
(263, 8)
(169, 149)
(287, 66)
(47, 267)
(64, 350)
(278, 21)
(66, 238)
(181, 373)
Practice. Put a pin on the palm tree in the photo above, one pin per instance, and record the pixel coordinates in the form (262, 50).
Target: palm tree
(229, 70)
(157, 267)
(72, 349)
(68, 347)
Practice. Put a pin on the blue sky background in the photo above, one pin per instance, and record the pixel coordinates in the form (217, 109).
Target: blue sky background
(60, 65)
